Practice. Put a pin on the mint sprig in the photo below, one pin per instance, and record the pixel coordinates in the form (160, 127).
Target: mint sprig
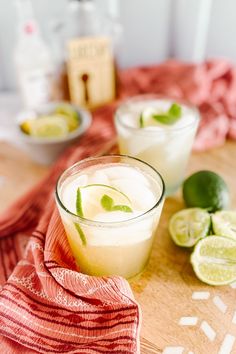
(175, 110)
(173, 114)
(108, 204)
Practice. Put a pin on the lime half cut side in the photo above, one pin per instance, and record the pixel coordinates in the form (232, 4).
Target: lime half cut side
(214, 260)
(224, 223)
(188, 226)
(69, 115)
(48, 127)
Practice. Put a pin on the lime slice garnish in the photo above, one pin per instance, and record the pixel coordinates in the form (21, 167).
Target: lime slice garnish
(97, 198)
(150, 116)
(146, 117)
(69, 115)
(224, 223)
(48, 127)
(188, 226)
(81, 233)
(214, 260)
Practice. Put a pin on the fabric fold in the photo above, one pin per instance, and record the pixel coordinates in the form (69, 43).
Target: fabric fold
(46, 305)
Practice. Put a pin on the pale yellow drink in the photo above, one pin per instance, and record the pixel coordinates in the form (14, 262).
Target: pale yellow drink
(113, 242)
(165, 147)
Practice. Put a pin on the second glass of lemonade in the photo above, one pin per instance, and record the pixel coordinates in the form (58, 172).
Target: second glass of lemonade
(159, 131)
(110, 207)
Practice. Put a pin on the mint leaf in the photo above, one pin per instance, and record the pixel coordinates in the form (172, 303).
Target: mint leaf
(124, 208)
(81, 234)
(175, 110)
(173, 114)
(165, 119)
(162, 118)
(79, 209)
(107, 202)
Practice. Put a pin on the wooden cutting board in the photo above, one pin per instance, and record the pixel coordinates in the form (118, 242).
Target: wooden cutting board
(168, 292)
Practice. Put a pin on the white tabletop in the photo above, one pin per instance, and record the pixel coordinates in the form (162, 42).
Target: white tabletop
(10, 105)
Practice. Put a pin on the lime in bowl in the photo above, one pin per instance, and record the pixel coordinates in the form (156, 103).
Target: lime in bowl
(44, 133)
(110, 207)
(159, 131)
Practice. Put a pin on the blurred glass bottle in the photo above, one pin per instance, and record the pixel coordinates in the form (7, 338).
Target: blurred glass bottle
(83, 19)
(33, 60)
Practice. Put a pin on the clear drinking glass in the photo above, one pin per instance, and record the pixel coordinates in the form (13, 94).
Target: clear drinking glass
(114, 247)
(166, 148)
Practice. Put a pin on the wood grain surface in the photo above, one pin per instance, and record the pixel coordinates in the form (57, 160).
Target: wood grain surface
(164, 290)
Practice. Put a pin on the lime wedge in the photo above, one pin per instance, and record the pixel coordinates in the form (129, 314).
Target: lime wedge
(146, 117)
(188, 226)
(69, 115)
(99, 198)
(81, 233)
(224, 223)
(48, 127)
(26, 125)
(214, 260)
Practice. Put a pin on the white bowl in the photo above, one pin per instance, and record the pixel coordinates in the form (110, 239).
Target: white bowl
(47, 150)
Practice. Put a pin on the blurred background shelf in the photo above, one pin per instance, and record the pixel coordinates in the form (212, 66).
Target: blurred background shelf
(153, 30)
(10, 104)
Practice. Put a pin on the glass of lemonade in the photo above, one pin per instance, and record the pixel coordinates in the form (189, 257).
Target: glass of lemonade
(159, 131)
(110, 207)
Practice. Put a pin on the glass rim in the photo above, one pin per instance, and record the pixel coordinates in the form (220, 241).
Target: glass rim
(109, 224)
(145, 97)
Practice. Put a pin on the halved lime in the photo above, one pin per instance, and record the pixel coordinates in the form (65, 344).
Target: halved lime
(224, 223)
(188, 226)
(214, 260)
(99, 198)
(46, 127)
(69, 114)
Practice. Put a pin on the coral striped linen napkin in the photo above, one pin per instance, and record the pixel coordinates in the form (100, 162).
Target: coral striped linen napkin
(47, 306)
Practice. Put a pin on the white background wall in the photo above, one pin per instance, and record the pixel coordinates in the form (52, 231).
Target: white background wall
(153, 30)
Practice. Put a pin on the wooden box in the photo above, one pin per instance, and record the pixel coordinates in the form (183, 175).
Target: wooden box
(91, 71)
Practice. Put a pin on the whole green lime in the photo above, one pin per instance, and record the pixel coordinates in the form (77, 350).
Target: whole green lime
(206, 189)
